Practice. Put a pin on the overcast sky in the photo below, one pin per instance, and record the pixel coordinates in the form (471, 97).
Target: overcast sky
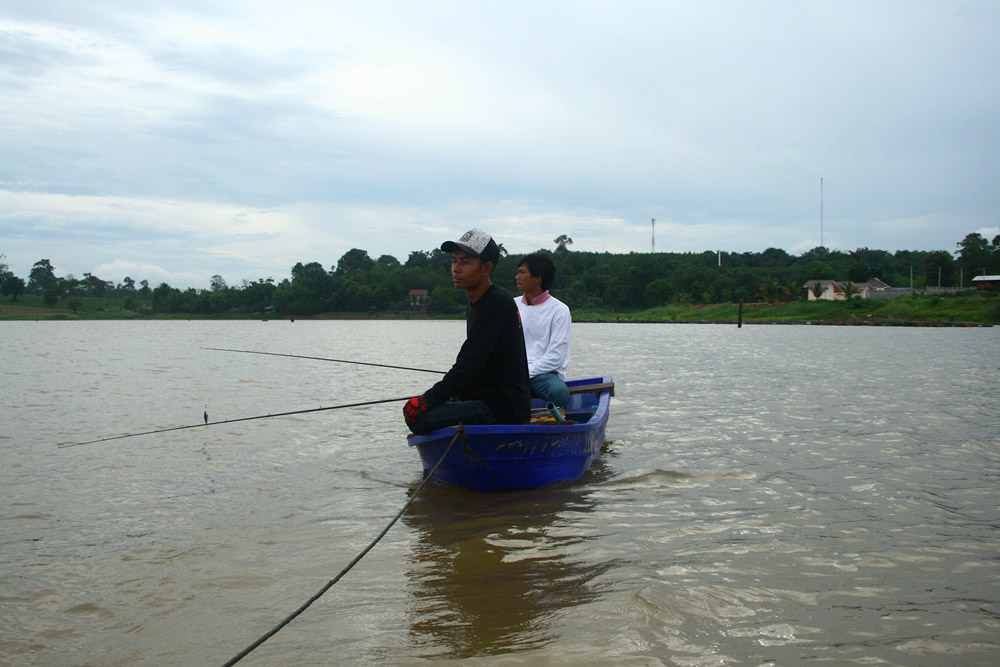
(170, 141)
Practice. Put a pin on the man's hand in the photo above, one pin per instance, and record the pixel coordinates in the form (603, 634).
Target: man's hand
(413, 408)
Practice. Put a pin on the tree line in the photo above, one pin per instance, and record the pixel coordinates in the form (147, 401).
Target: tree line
(357, 283)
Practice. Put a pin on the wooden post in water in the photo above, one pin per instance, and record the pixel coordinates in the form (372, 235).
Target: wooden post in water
(739, 318)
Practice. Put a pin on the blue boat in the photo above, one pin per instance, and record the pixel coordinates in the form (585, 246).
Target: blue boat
(504, 456)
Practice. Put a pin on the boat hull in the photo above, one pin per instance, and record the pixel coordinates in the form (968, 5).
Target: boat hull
(499, 457)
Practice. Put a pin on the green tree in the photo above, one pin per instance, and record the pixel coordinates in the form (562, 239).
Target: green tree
(849, 288)
(355, 259)
(164, 298)
(658, 292)
(771, 290)
(42, 277)
(689, 282)
(94, 286)
(12, 286)
(775, 258)
(858, 272)
(561, 242)
(792, 290)
(820, 270)
(576, 295)
(311, 276)
(447, 299)
(256, 296)
(584, 279)
(974, 253)
(218, 301)
(877, 262)
(50, 297)
(417, 259)
(939, 268)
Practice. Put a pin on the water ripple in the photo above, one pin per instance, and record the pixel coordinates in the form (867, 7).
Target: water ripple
(768, 495)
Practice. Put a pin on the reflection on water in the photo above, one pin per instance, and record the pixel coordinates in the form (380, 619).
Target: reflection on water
(491, 573)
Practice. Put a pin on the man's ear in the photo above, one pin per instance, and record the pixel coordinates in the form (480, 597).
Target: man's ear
(489, 264)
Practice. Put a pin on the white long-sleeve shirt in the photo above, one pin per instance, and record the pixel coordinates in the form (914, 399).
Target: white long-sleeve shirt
(546, 324)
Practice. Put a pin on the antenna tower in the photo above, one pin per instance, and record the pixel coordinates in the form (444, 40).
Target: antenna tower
(821, 213)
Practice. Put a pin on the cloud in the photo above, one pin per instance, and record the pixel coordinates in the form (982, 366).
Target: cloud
(117, 270)
(238, 138)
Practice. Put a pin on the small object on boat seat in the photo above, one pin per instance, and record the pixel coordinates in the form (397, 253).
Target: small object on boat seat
(555, 412)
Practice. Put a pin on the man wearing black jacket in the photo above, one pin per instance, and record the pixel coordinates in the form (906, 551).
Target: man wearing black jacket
(488, 383)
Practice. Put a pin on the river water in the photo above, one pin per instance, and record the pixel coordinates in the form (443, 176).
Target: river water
(768, 495)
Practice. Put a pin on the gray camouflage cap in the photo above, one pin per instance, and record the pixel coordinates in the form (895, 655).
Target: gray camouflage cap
(475, 242)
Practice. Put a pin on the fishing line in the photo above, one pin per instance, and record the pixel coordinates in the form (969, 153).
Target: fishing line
(341, 361)
(233, 421)
(273, 631)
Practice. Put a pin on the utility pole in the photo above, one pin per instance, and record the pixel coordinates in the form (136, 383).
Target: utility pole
(652, 246)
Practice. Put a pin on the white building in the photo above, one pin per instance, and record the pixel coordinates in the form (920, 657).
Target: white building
(832, 290)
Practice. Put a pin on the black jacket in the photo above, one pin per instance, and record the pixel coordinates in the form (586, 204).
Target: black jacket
(492, 365)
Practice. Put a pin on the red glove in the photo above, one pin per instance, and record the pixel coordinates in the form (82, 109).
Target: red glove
(415, 407)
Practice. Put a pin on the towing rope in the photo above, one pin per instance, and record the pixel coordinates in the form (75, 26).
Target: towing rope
(459, 431)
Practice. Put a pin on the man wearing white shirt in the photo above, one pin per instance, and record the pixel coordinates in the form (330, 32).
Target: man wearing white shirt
(546, 323)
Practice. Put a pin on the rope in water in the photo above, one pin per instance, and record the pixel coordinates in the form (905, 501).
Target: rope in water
(273, 631)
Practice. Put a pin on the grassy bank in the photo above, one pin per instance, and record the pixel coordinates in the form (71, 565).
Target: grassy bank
(973, 307)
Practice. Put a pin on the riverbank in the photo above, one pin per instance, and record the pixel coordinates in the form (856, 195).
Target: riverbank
(969, 308)
(870, 323)
(962, 309)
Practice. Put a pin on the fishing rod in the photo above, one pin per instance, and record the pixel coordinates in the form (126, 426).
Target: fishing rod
(233, 421)
(342, 361)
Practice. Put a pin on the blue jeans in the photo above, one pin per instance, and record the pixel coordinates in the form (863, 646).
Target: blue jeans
(452, 413)
(550, 388)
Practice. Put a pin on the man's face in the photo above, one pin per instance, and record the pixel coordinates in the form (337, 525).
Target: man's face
(527, 283)
(467, 271)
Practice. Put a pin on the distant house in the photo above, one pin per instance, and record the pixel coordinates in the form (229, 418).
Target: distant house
(871, 285)
(832, 290)
(828, 290)
(419, 298)
(986, 282)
